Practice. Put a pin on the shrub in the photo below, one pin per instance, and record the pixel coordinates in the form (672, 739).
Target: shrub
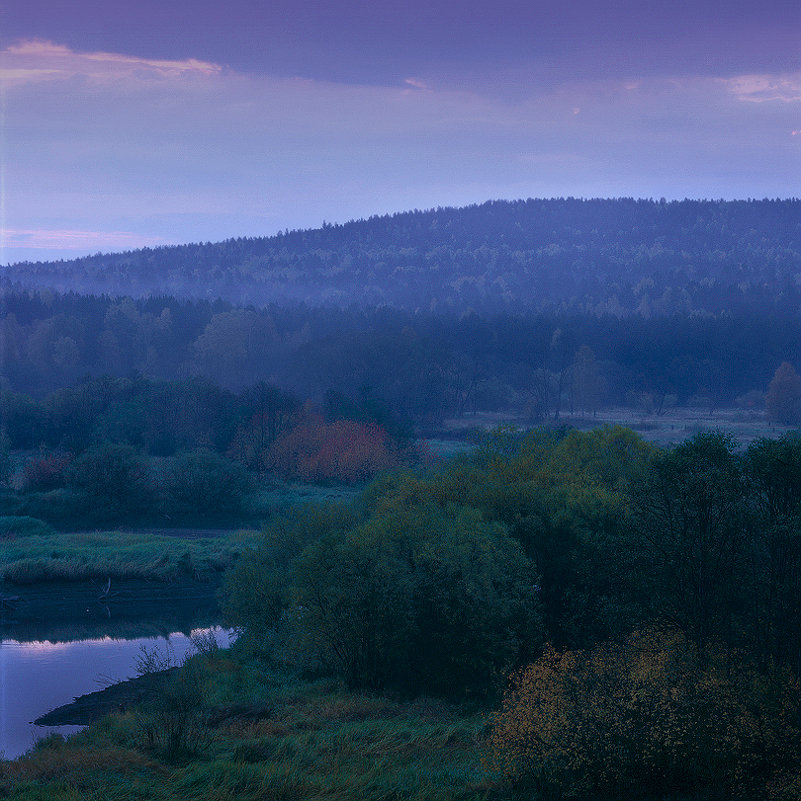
(45, 471)
(419, 598)
(650, 718)
(6, 464)
(12, 526)
(203, 484)
(343, 450)
(173, 718)
(115, 477)
(256, 589)
(783, 400)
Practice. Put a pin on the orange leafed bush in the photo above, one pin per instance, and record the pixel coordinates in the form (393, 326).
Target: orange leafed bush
(343, 450)
(46, 471)
(645, 719)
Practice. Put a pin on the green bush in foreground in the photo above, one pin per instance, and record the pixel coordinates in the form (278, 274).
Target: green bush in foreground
(417, 598)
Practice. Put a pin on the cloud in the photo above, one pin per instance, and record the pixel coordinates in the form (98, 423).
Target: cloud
(765, 88)
(36, 60)
(105, 151)
(43, 239)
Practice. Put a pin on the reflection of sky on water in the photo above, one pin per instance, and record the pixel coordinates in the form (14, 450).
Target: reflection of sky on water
(36, 677)
(36, 648)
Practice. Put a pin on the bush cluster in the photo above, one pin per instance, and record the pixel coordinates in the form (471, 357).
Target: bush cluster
(115, 483)
(438, 582)
(648, 718)
(411, 597)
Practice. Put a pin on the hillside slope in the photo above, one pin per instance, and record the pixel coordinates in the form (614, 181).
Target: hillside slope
(616, 257)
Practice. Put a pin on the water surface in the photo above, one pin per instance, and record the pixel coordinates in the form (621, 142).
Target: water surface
(39, 675)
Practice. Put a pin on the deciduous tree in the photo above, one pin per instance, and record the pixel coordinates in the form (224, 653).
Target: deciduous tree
(783, 401)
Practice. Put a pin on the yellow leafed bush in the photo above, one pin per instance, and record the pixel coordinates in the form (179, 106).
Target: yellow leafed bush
(649, 718)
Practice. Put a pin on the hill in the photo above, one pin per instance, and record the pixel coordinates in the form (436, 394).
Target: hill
(599, 257)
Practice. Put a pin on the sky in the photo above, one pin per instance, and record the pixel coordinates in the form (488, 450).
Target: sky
(155, 122)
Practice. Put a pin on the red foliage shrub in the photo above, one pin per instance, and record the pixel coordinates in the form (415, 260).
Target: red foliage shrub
(343, 450)
(46, 471)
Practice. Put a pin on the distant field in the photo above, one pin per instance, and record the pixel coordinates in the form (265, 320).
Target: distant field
(675, 425)
(282, 495)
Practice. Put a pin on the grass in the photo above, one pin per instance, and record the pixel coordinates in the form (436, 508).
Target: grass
(274, 736)
(448, 448)
(282, 495)
(674, 426)
(120, 555)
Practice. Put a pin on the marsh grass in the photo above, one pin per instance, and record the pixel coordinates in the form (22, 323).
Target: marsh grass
(117, 555)
(274, 737)
(282, 495)
(13, 526)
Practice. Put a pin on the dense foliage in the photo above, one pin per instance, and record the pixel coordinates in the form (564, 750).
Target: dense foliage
(130, 450)
(406, 595)
(666, 582)
(639, 605)
(391, 367)
(649, 718)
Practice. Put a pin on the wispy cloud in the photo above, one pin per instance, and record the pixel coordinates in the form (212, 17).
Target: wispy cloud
(37, 60)
(44, 239)
(765, 88)
(107, 151)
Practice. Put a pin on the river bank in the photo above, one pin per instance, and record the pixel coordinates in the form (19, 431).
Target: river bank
(115, 699)
(61, 611)
(263, 733)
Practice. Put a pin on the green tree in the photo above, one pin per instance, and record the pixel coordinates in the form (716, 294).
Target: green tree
(257, 589)
(6, 465)
(688, 540)
(420, 598)
(116, 478)
(587, 385)
(563, 497)
(204, 485)
(773, 469)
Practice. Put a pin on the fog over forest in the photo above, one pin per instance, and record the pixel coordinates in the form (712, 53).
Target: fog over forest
(534, 307)
(596, 257)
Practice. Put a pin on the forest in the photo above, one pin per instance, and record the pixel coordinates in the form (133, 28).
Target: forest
(425, 367)
(622, 257)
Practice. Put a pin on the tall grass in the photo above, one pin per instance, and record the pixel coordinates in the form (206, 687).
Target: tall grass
(274, 737)
(117, 555)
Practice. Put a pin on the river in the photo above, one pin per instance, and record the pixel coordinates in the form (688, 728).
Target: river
(61, 643)
(38, 676)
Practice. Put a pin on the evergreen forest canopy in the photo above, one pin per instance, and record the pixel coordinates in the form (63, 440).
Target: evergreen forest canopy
(599, 257)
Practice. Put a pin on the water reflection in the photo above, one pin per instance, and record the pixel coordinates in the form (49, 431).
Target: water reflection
(61, 612)
(39, 674)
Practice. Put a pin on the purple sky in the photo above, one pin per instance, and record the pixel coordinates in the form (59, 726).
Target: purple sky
(164, 121)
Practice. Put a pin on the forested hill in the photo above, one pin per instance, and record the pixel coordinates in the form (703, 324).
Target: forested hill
(619, 257)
